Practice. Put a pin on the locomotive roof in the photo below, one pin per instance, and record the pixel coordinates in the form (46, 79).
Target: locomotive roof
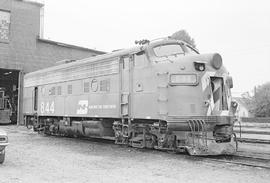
(107, 63)
(87, 60)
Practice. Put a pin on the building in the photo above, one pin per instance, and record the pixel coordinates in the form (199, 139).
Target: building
(23, 49)
(242, 108)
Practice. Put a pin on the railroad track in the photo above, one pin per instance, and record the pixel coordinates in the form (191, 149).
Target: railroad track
(257, 160)
(253, 130)
(242, 158)
(258, 141)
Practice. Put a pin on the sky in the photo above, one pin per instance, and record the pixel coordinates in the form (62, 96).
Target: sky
(238, 30)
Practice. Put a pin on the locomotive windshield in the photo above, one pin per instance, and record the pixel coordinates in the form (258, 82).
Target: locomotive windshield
(168, 50)
(191, 50)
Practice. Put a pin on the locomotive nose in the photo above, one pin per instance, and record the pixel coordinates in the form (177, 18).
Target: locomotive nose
(213, 59)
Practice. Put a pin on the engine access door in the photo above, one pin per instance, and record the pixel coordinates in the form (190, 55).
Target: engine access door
(126, 70)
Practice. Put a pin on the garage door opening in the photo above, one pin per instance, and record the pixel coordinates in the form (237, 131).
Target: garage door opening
(9, 90)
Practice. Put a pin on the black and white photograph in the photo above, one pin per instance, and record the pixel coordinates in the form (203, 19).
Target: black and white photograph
(134, 91)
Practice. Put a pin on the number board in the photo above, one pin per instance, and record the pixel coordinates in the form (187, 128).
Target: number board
(47, 107)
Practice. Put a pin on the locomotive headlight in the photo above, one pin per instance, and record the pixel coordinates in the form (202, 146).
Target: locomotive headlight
(216, 61)
(183, 79)
(199, 66)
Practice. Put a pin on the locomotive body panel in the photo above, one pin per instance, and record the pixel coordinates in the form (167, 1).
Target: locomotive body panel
(142, 96)
(28, 107)
(74, 102)
(86, 90)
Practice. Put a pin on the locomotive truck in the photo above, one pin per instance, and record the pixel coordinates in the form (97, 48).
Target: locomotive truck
(161, 94)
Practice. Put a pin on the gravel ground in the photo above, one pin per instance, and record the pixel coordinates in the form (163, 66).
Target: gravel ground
(35, 158)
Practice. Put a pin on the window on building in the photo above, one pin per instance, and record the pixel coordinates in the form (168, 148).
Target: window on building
(4, 26)
(69, 89)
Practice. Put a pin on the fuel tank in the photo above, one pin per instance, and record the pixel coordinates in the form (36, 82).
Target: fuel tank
(87, 128)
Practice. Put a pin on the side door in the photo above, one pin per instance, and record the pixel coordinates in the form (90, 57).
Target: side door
(126, 73)
(35, 100)
(2, 94)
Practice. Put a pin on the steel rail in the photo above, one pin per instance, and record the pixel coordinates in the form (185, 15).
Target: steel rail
(249, 140)
(257, 160)
(242, 158)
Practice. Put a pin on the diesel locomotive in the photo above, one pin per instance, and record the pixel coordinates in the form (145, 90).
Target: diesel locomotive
(161, 94)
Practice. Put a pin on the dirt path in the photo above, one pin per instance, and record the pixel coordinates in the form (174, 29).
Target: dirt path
(34, 158)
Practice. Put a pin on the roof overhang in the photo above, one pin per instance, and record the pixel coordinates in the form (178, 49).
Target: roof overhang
(69, 46)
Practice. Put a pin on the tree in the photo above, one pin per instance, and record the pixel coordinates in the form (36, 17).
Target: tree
(261, 100)
(184, 36)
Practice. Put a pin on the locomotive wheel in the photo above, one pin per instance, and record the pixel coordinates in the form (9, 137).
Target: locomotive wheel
(2, 157)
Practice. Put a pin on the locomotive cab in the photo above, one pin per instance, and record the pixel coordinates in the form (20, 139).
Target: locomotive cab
(194, 98)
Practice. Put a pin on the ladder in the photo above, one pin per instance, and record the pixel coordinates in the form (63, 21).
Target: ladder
(163, 94)
(199, 132)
